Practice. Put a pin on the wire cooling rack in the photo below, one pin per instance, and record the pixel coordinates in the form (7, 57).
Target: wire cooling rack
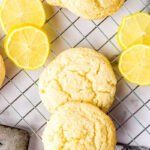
(20, 104)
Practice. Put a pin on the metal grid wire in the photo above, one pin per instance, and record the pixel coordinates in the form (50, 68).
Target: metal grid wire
(11, 80)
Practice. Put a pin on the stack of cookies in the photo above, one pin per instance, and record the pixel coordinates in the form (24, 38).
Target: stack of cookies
(78, 87)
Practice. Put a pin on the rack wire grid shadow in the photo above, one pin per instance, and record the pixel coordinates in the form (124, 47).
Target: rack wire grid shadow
(20, 104)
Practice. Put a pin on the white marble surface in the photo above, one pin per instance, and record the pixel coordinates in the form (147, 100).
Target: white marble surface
(20, 104)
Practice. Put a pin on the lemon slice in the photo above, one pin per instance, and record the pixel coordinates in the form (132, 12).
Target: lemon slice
(134, 29)
(134, 64)
(28, 47)
(18, 12)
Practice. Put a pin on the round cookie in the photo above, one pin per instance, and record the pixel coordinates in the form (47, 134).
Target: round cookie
(89, 9)
(78, 74)
(2, 71)
(79, 126)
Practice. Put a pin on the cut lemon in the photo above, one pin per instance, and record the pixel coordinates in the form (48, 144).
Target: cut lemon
(18, 12)
(134, 64)
(28, 47)
(134, 29)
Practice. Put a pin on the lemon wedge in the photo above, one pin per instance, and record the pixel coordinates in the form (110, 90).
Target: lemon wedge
(134, 29)
(28, 47)
(18, 12)
(134, 64)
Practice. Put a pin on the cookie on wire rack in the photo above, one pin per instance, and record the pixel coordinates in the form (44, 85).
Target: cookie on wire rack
(89, 9)
(79, 126)
(78, 74)
(2, 71)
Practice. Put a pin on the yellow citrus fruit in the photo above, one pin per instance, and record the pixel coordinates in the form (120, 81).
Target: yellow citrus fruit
(134, 29)
(134, 64)
(18, 12)
(27, 46)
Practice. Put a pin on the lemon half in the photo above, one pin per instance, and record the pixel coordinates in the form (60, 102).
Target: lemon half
(18, 12)
(28, 47)
(134, 29)
(134, 64)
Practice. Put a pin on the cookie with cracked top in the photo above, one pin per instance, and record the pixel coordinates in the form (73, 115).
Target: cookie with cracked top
(79, 126)
(78, 74)
(89, 9)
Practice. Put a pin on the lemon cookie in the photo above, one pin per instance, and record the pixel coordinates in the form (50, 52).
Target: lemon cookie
(2, 70)
(78, 74)
(79, 126)
(89, 9)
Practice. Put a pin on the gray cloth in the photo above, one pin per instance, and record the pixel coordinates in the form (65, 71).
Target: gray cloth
(13, 139)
